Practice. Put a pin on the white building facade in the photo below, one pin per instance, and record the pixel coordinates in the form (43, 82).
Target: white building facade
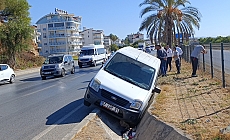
(135, 37)
(107, 41)
(59, 33)
(91, 36)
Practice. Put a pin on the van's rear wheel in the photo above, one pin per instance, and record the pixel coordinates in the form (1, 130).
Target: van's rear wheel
(73, 70)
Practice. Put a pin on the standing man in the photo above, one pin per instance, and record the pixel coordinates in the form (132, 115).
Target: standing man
(162, 55)
(169, 58)
(179, 51)
(177, 59)
(194, 57)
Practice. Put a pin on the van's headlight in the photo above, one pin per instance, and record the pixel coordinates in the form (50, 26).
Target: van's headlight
(95, 84)
(136, 104)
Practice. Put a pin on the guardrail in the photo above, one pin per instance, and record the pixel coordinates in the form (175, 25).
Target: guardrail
(216, 62)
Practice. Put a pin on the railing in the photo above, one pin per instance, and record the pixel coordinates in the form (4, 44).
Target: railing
(216, 62)
(57, 43)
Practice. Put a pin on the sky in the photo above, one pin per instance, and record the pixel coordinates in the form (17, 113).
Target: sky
(122, 17)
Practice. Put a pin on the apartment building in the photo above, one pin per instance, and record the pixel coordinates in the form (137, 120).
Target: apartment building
(135, 37)
(91, 36)
(59, 33)
(107, 41)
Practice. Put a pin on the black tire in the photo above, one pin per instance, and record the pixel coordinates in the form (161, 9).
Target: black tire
(12, 78)
(86, 103)
(94, 63)
(62, 73)
(43, 78)
(80, 66)
(73, 70)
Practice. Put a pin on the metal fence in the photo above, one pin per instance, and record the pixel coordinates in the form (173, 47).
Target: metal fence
(216, 62)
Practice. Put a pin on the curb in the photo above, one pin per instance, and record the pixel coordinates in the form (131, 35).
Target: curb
(82, 124)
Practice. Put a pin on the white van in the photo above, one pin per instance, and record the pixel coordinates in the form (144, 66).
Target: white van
(125, 85)
(92, 55)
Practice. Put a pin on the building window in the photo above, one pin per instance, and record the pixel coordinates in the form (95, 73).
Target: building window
(50, 25)
(44, 35)
(45, 43)
(58, 24)
(44, 29)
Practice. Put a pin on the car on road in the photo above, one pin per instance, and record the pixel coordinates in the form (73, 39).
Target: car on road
(125, 85)
(6, 73)
(57, 65)
(91, 55)
(148, 49)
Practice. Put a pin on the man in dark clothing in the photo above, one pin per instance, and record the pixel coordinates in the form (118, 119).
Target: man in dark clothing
(162, 55)
(194, 58)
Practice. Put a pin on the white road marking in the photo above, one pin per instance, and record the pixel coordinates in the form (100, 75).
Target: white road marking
(57, 122)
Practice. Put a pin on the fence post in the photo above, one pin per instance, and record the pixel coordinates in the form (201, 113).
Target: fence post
(211, 60)
(222, 59)
(203, 63)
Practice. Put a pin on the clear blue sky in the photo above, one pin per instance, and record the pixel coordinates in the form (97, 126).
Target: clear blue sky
(122, 17)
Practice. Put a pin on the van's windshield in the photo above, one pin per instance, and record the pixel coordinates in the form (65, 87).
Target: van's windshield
(87, 52)
(131, 71)
(54, 60)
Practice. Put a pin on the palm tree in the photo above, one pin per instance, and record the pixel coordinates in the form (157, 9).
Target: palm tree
(165, 20)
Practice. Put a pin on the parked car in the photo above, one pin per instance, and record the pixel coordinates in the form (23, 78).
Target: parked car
(148, 49)
(125, 85)
(6, 73)
(57, 65)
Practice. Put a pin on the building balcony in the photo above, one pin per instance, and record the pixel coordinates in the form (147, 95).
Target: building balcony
(57, 51)
(74, 35)
(56, 28)
(57, 43)
(57, 36)
(75, 43)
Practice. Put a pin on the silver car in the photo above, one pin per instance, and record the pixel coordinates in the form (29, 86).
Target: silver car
(57, 65)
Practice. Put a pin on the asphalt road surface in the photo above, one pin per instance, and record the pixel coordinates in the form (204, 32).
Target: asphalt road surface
(32, 108)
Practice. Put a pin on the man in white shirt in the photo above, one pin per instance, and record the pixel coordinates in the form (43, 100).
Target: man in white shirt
(180, 51)
(194, 57)
(169, 57)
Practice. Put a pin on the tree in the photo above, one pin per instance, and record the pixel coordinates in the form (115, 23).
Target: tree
(113, 38)
(16, 32)
(114, 47)
(166, 20)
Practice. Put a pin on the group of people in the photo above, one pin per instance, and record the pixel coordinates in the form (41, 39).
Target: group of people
(166, 54)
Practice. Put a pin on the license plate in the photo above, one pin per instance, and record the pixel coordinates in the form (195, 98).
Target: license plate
(47, 72)
(109, 107)
(84, 63)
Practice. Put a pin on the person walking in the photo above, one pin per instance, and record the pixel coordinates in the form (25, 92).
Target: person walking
(180, 52)
(195, 56)
(169, 58)
(176, 57)
(162, 55)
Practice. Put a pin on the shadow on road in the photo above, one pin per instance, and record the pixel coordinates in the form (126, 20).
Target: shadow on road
(69, 114)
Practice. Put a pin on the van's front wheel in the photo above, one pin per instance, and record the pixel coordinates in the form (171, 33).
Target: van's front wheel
(94, 63)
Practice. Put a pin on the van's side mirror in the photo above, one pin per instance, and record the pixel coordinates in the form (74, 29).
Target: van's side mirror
(65, 62)
(157, 90)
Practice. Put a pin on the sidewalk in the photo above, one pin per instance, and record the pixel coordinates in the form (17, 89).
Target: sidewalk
(27, 71)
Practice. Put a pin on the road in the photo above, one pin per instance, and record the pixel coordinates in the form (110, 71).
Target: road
(217, 59)
(32, 108)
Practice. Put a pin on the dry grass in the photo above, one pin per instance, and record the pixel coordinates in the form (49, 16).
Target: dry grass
(199, 106)
(93, 131)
